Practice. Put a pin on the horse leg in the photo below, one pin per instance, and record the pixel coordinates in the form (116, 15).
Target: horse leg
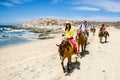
(68, 69)
(86, 39)
(78, 51)
(76, 57)
(100, 39)
(105, 39)
(69, 59)
(63, 65)
(82, 48)
(68, 63)
(93, 33)
(108, 34)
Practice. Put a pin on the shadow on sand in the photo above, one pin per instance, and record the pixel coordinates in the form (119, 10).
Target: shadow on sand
(76, 65)
(73, 66)
(104, 42)
(82, 54)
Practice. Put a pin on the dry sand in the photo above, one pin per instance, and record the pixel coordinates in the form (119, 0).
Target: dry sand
(39, 60)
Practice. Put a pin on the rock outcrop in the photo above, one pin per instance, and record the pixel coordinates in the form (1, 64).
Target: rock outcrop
(48, 22)
(57, 25)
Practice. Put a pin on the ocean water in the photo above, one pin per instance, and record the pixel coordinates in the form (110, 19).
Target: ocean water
(9, 36)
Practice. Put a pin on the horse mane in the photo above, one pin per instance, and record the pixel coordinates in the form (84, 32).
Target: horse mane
(67, 43)
(79, 33)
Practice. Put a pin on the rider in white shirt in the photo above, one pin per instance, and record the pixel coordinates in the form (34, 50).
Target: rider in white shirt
(84, 28)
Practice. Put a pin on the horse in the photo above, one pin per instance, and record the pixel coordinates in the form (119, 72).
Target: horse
(65, 50)
(81, 40)
(93, 30)
(104, 34)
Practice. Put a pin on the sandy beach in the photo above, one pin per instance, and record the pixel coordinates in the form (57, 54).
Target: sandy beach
(39, 60)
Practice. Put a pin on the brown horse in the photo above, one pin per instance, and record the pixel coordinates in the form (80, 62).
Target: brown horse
(93, 30)
(81, 40)
(65, 51)
(103, 34)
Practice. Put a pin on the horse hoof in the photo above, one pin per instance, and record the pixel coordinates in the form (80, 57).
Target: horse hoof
(64, 71)
(68, 70)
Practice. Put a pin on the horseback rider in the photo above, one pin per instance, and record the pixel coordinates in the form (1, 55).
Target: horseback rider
(69, 33)
(102, 28)
(103, 33)
(93, 27)
(84, 29)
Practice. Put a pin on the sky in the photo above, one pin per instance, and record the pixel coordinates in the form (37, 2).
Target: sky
(18, 11)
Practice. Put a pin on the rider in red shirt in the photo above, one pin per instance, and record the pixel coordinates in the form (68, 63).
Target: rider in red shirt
(102, 28)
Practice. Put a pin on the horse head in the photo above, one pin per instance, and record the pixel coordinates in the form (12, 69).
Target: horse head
(79, 33)
(64, 45)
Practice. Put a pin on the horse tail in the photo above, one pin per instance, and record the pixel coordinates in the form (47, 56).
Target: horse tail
(106, 33)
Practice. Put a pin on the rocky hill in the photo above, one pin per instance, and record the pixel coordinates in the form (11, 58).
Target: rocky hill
(49, 22)
(56, 25)
(48, 25)
(60, 22)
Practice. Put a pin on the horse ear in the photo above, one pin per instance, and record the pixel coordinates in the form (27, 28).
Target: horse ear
(57, 45)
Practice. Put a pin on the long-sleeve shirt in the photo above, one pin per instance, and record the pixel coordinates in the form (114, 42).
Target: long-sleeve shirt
(69, 34)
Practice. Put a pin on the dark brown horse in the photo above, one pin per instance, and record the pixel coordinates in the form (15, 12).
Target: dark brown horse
(81, 40)
(104, 34)
(65, 50)
(93, 30)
